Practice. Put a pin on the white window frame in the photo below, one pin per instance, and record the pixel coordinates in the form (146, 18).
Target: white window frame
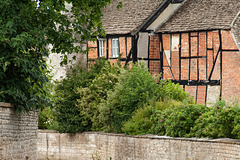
(115, 47)
(101, 47)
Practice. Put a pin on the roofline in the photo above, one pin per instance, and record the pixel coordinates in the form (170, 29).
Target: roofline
(200, 30)
(153, 17)
(119, 35)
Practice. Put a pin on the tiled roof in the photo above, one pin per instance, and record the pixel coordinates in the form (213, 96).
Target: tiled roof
(128, 18)
(202, 15)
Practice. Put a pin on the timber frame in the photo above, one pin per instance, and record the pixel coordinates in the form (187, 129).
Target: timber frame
(189, 82)
(130, 56)
(134, 34)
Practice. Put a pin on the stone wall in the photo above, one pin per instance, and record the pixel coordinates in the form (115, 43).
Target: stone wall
(102, 146)
(18, 134)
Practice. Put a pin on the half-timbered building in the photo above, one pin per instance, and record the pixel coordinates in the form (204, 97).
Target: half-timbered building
(194, 43)
(123, 30)
(199, 48)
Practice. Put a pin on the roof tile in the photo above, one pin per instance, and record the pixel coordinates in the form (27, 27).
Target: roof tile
(128, 18)
(196, 15)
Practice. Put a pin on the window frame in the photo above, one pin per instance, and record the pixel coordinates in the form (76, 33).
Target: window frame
(101, 48)
(115, 47)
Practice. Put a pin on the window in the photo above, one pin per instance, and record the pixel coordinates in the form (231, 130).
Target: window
(101, 47)
(115, 47)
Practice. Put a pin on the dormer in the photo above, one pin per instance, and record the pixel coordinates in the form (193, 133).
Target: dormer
(236, 29)
(166, 14)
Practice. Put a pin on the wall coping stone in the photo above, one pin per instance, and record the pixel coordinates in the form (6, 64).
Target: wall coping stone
(6, 105)
(194, 139)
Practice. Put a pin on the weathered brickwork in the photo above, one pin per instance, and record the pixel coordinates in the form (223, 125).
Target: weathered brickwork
(197, 53)
(154, 56)
(231, 77)
(86, 146)
(18, 134)
(125, 45)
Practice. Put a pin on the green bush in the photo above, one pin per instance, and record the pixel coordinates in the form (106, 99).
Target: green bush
(144, 119)
(218, 122)
(236, 124)
(90, 97)
(174, 91)
(43, 117)
(135, 87)
(68, 115)
(162, 109)
(178, 120)
(181, 120)
(140, 122)
(107, 96)
(46, 119)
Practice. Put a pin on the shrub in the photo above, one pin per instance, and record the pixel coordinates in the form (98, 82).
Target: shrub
(105, 97)
(182, 118)
(67, 114)
(135, 87)
(91, 96)
(217, 122)
(140, 122)
(43, 119)
(161, 111)
(143, 120)
(174, 91)
(46, 119)
(236, 124)
(177, 121)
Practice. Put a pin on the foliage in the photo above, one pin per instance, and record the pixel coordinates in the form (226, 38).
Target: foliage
(106, 97)
(46, 119)
(174, 91)
(135, 87)
(236, 124)
(67, 114)
(144, 119)
(27, 27)
(140, 122)
(181, 119)
(90, 97)
(159, 112)
(218, 122)
(177, 120)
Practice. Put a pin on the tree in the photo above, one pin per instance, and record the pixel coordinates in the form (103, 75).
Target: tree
(27, 27)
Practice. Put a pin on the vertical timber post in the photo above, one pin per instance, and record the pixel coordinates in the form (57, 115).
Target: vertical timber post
(161, 55)
(220, 50)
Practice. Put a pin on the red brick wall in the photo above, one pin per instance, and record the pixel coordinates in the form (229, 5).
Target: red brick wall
(154, 65)
(166, 46)
(125, 45)
(231, 75)
(231, 68)
(205, 46)
(93, 52)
